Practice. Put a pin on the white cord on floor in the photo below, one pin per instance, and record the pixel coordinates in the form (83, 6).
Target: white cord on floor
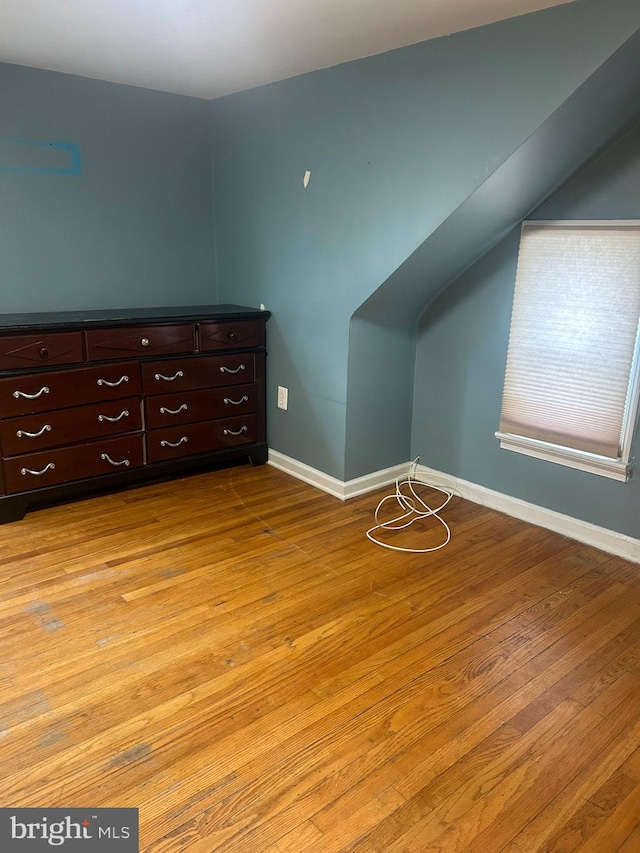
(414, 508)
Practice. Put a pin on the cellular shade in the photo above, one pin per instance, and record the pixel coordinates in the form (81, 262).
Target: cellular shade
(573, 336)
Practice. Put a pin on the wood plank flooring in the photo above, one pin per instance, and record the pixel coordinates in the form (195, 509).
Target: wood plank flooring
(229, 654)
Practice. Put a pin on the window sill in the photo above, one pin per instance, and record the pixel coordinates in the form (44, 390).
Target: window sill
(616, 469)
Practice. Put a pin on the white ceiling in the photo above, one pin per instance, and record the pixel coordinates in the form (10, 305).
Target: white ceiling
(209, 48)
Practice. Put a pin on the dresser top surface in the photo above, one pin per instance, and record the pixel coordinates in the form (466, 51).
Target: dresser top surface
(126, 316)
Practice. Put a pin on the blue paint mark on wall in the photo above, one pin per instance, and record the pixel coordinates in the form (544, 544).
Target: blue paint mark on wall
(39, 157)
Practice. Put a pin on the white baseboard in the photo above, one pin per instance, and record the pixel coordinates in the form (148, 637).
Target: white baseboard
(583, 531)
(307, 474)
(599, 537)
(338, 488)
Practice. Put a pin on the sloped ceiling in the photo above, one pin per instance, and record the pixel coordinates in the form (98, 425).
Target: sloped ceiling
(593, 118)
(209, 48)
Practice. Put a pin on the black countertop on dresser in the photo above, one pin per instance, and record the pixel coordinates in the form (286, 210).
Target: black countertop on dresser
(124, 316)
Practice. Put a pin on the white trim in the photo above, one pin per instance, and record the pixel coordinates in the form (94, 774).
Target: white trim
(631, 415)
(583, 531)
(598, 537)
(582, 223)
(307, 474)
(375, 480)
(338, 488)
(616, 469)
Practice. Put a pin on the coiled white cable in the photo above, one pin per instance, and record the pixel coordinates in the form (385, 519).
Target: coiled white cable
(413, 508)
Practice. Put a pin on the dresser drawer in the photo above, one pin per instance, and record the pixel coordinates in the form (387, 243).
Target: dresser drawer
(66, 464)
(131, 341)
(241, 333)
(191, 439)
(189, 374)
(29, 433)
(192, 406)
(45, 391)
(25, 351)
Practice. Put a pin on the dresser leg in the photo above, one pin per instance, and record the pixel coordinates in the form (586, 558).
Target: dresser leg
(12, 509)
(259, 455)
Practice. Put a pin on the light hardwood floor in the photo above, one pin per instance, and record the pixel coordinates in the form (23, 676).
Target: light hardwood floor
(229, 654)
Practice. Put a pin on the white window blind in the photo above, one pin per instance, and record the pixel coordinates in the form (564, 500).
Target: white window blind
(572, 365)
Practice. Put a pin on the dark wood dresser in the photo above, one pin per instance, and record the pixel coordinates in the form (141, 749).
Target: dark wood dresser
(97, 400)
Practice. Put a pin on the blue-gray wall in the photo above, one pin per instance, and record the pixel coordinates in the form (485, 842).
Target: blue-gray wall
(132, 226)
(178, 201)
(598, 111)
(461, 356)
(395, 145)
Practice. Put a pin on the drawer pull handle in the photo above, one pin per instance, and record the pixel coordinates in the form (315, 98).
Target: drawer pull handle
(43, 390)
(145, 342)
(161, 377)
(45, 428)
(165, 411)
(49, 467)
(243, 399)
(44, 353)
(115, 384)
(123, 414)
(106, 458)
(236, 431)
(232, 370)
(183, 440)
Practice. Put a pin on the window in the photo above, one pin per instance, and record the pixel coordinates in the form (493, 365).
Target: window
(572, 377)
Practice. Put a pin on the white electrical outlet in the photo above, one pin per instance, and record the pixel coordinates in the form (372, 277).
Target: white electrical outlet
(283, 397)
